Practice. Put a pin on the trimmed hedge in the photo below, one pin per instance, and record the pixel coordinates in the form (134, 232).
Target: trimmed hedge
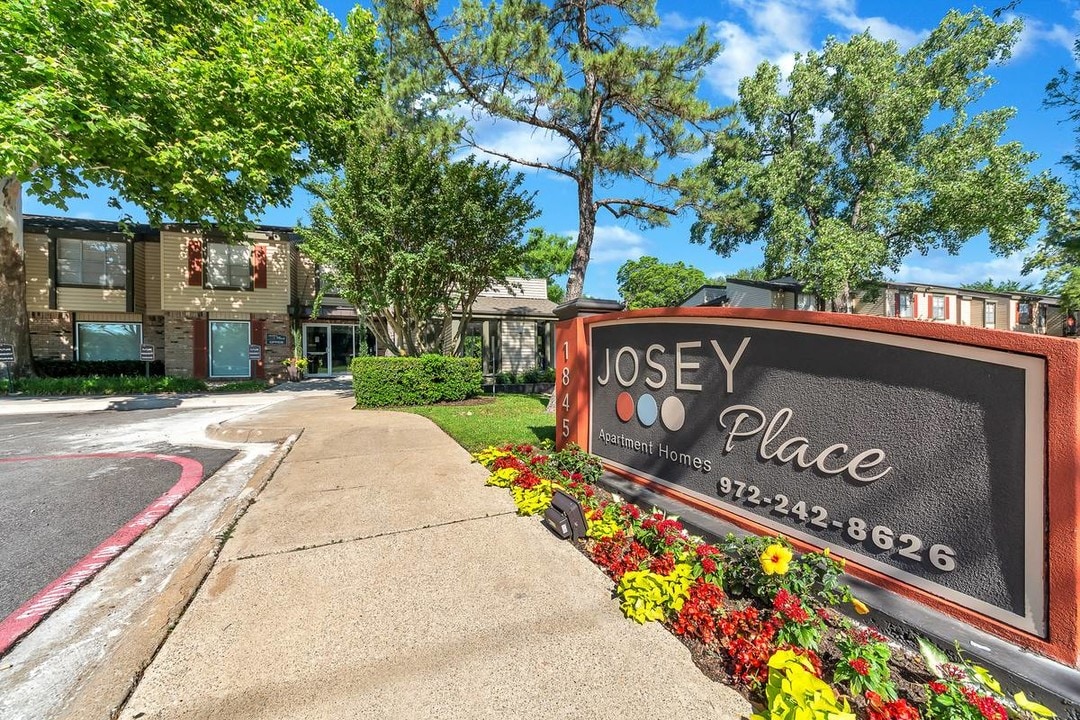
(91, 368)
(397, 381)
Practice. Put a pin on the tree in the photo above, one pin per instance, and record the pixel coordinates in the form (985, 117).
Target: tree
(1058, 252)
(1001, 286)
(841, 172)
(197, 112)
(757, 272)
(409, 236)
(567, 70)
(546, 255)
(647, 282)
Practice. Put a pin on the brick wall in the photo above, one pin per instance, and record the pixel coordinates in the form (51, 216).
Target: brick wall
(274, 354)
(51, 336)
(178, 353)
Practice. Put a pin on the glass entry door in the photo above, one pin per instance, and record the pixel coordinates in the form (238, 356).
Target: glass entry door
(329, 349)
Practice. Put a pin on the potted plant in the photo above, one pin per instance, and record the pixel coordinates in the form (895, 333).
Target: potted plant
(295, 367)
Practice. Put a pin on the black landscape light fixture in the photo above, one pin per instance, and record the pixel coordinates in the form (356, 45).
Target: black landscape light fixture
(564, 517)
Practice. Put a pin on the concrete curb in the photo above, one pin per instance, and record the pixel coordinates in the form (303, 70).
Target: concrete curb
(105, 691)
(240, 434)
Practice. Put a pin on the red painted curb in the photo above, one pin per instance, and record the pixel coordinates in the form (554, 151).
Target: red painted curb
(34, 610)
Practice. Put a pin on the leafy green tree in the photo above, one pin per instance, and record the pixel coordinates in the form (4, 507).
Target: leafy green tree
(546, 255)
(757, 272)
(409, 236)
(198, 112)
(867, 154)
(647, 282)
(1001, 286)
(567, 69)
(1059, 252)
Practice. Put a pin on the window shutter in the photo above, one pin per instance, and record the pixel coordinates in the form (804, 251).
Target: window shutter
(258, 337)
(946, 307)
(914, 305)
(200, 348)
(195, 263)
(258, 267)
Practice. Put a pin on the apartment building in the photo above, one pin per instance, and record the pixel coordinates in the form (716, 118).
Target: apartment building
(224, 310)
(1018, 312)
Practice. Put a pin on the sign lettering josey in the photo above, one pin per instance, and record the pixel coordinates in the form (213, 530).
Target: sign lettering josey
(916, 453)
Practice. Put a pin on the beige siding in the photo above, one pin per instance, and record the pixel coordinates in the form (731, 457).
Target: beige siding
(304, 283)
(76, 299)
(151, 271)
(978, 312)
(1055, 320)
(139, 281)
(875, 306)
(517, 339)
(177, 295)
(37, 272)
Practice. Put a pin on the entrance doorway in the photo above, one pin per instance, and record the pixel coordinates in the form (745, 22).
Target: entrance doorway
(329, 349)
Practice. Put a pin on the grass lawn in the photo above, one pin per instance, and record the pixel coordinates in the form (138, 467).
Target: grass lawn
(510, 418)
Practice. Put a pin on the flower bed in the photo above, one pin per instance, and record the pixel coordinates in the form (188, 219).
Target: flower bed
(753, 613)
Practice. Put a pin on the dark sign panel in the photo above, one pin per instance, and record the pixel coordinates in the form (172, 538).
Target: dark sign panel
(272, 339)
(917, 458)
(254, 352)
(146, 353)
(7, 353)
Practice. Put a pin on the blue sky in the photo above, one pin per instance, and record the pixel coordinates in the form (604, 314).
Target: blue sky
(756, 30)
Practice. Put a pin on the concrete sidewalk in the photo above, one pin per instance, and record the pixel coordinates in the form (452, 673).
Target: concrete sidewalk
(376, 577)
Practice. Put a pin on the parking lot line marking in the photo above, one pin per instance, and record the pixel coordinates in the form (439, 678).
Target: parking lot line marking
(34, 610)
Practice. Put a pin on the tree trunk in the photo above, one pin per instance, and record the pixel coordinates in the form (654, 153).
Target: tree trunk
(575, 283)
(14, 321)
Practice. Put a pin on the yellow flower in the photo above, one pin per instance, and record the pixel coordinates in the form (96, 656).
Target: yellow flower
(826, 552)
(860, 606)
(775, 559)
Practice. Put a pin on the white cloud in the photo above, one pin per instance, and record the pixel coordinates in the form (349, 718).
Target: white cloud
(947, 271)
(1036, 33)
(612, 243)
(777, 31)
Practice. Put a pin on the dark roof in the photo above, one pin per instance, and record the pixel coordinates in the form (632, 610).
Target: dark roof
(44, 223)
(513, 306)
(783, 283)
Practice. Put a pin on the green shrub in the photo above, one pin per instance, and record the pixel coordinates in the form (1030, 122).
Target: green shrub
(107, 385)
(397, 381)
(88, 368)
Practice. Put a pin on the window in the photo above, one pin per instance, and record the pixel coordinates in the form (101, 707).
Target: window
(98, 263)
(228, 266)
(229, 349)
(938, 305)
(904, 305)
(1024, 313)
(108, 341)
(990, 314)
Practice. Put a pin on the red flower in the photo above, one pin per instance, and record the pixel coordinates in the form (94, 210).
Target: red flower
(987, 706)
(938, 687)
(789, 605)
(631, 510)
(589, 491)
(860, 665)
(705, 550)
(895, 710)
(865, 636)
(708, 565)
(953, 672)
(663, 565)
